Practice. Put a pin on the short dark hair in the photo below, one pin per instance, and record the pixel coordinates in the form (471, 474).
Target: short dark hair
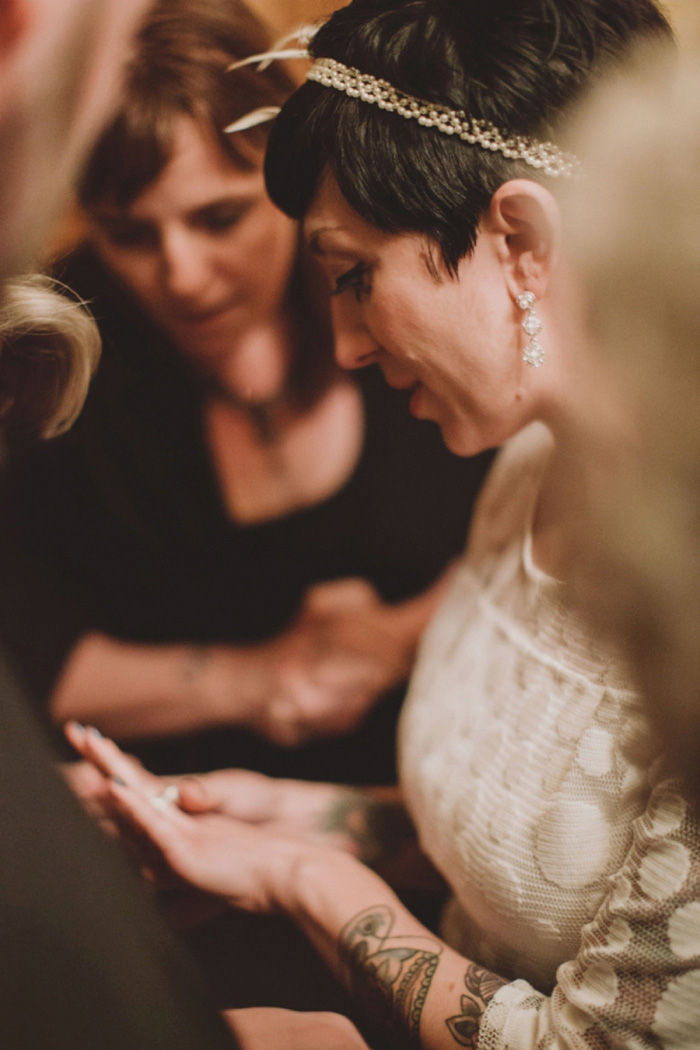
(178, 67)
(515, 63)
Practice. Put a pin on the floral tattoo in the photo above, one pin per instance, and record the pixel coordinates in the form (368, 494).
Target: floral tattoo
(481, 987)
(390, 976)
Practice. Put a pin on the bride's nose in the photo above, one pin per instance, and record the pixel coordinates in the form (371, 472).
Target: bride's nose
(355, 346)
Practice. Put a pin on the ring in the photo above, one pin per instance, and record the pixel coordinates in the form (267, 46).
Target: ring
(168, 797)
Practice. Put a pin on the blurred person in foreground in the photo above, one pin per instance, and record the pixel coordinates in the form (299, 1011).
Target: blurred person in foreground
(85, 961)
(635, 230)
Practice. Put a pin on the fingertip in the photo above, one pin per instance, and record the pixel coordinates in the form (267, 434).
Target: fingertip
(74, 732)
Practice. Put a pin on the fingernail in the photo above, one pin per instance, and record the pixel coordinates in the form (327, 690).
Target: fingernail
(77, 726)
(119, 781)
(94, 731)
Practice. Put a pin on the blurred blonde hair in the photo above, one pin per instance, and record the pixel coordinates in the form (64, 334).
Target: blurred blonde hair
(635, 226)
(49, 349)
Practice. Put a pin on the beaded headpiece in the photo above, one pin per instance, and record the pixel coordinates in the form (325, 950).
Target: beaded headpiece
(544, 156)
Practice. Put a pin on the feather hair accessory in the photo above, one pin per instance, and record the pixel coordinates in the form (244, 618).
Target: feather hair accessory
(279, 51)
(545, 156)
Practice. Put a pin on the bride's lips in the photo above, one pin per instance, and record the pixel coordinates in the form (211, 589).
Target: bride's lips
(414, 405)
(400, 384)
(414, 385)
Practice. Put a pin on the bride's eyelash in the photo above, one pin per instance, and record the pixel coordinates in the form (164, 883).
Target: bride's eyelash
(355, 278)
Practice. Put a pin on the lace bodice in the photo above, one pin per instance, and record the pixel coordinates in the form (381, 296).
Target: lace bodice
(531, 775)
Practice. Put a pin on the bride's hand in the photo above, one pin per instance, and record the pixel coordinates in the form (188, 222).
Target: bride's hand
(325, 814)
(104, 760)
(334, 816)
(249, 867)
(240, 793)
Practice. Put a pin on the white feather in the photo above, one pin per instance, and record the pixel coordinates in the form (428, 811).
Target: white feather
(250, 120)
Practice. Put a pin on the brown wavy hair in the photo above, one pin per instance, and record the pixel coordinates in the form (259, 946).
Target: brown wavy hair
(178, 67)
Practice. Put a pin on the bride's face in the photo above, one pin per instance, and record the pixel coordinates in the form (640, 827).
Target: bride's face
(202, 247)
(456, 343)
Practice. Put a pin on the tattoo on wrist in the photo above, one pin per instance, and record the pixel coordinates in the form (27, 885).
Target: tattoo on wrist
(379, 830)
(390, 976)
(481, 987)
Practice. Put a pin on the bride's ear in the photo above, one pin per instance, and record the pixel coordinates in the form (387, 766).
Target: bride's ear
(526, 220)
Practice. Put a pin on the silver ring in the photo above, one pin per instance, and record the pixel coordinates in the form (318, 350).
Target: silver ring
(168, 797)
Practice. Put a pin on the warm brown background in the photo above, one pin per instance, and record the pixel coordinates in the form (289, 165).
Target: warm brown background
(287, 14)
(283, 15)
(685, 15)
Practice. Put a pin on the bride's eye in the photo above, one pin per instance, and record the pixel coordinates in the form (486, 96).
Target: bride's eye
(357, 279)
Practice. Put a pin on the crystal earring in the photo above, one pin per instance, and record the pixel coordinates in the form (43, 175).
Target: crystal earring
(533, 354)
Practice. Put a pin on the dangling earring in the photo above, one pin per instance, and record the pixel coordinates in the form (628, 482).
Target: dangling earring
(533, 354)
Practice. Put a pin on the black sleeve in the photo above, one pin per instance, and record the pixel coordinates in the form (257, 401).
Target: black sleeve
(71, 513)
(41, 617)
(85, 961)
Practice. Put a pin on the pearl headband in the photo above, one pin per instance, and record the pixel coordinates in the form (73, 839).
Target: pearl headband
(543, 156)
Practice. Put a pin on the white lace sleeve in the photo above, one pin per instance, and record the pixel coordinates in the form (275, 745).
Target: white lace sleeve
(635, 983)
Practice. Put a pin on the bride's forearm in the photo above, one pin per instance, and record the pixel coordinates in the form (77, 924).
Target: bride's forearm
(414, 987)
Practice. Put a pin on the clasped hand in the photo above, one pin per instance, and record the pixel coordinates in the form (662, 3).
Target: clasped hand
(342, 652)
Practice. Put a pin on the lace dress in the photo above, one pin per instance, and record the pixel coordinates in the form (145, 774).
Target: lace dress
(536, 789)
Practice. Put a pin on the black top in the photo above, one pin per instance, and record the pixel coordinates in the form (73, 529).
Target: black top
(85, 961)
(125, 516)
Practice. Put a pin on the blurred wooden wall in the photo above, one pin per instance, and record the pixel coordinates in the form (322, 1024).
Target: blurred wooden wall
(685, 15)
(283, 15)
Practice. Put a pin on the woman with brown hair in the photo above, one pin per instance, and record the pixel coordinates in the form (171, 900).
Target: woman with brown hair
(238, 534)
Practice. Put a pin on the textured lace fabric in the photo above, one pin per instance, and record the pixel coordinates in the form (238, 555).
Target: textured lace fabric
(532, 777)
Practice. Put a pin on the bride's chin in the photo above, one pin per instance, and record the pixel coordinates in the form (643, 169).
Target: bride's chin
(421, 405)
(460, 440)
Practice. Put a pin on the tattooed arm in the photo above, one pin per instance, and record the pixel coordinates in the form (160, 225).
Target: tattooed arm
(392, 977)
(415, 988)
